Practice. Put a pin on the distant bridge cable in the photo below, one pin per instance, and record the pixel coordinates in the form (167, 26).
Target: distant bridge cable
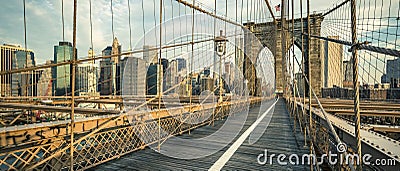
(364, 45)
(112, 19)
(130, 26)
(91, 27)
(335, 8)
(143, 26)
(198, 8)
(155, 23)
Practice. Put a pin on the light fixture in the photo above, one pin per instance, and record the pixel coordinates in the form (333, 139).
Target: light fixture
(220, 48)
(220, 44)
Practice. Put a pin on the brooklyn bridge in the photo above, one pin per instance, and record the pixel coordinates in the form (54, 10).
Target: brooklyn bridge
(204, 85)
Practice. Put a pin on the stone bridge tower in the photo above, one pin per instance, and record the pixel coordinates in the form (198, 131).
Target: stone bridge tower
(270, 36)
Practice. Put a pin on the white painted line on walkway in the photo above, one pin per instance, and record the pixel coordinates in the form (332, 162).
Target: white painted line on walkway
(232, 149)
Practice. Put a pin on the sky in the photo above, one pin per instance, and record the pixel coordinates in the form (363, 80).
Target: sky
(45, 28)
(44, 21)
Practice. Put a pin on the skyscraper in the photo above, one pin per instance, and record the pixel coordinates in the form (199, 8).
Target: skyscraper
(15, 57)
(92, 75)
(116, 71)
(116, 51)
(393, 72)
(107, 52)
(86, 80)
(181, 64)
(105, 79)
(165, 66)
(348, 74)
(24, 83)
(62, 74)
(171, 75)
(134, 77)
(110, 79)
(152, 79)
(150, 56)
(332, 63)
(45, 81)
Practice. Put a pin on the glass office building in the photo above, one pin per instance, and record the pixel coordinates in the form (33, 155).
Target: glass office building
(15, 57)
(24, 83)
(62, 74)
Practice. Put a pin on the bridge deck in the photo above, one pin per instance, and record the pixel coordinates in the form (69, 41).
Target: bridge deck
(278, 138)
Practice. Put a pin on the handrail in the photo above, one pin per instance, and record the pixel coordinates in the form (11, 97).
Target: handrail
(332, 129)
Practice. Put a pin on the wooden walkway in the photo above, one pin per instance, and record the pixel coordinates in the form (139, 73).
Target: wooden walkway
(278, 138)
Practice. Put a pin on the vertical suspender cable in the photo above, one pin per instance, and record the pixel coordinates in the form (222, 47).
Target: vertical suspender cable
(130, 26)
(91, 28)
(259, 12)
(114, 64)
(288, 48)
(159, 75)
(191, 60)
(226, 13)
(355, 80)
(64, 48)
(144, 30)
(287, 43)
(62, 20)
(112, 19)
(251, 9)
(256, 11)
(74, 55)
(236, 32)
(309, 81)
(173, 27)
(293, 76)
(165, 35)
(241, 13)
(302, 69)
(214, 55)
(283, 46)
(220, 60)
(247, 10)
(26, 54)
(93, 81)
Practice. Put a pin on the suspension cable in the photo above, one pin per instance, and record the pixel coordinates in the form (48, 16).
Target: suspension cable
(309, 80)
(130, 26)
(91, 27)
(112, 19)
(198, 8)
(26, 51)
(74, 58)
(143, 20)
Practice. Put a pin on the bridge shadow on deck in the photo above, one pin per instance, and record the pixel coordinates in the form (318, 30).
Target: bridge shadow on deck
(277, 139)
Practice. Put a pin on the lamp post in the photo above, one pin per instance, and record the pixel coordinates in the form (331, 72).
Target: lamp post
(220, 48)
